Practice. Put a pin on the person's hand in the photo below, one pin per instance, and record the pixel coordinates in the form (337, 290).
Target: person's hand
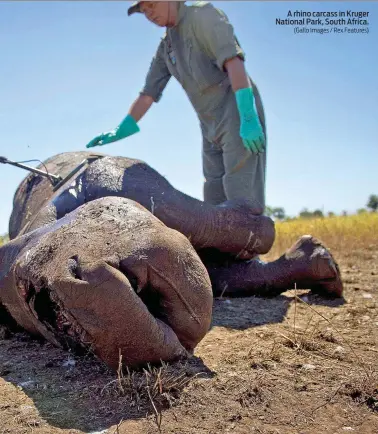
(103, 139)
(251, 131)
(252, 134)
(126, 128)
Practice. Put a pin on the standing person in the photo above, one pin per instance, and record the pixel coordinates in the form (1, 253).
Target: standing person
(201, 51)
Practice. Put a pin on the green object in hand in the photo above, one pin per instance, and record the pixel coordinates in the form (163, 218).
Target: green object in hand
(251, 130)
(126, 128)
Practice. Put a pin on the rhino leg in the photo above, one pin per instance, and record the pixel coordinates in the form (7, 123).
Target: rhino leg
(112, 278)
(306, 265)
(236, 226)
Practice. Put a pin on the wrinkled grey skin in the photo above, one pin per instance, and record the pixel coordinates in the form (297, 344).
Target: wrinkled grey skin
(224, 236)
(224, 240)
(112, 278)
(231, 227)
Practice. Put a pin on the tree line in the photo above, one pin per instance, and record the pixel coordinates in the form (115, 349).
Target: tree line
(278, 213)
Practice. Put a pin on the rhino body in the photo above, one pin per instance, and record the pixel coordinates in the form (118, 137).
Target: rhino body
(120, 262)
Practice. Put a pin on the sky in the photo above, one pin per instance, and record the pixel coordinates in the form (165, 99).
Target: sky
(70, 70)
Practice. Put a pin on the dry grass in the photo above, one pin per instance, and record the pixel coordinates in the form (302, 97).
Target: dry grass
(277, 365)
(159, 386)
(3, 239)
(341, 233)
(363, 389)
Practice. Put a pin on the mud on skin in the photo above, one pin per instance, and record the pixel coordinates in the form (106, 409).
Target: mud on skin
(232, 227)
(110, 276)
(65, 243)
(231, 232)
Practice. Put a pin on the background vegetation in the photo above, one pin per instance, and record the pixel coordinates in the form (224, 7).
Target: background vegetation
(335, 230)
(278, 213)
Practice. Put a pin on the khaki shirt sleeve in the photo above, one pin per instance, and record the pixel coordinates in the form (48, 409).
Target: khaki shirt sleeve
(157, 76)
(216, 35)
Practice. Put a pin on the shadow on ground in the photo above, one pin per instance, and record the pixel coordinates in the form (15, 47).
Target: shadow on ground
(243, 313)
(71, 393)
(317, 300)
(82, 394)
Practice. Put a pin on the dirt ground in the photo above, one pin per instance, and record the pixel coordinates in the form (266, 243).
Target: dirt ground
(277, 365)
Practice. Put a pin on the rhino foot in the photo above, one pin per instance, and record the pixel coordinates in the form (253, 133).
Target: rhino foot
(314, 267)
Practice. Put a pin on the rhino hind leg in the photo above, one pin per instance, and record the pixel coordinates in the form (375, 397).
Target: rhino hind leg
(307, 264)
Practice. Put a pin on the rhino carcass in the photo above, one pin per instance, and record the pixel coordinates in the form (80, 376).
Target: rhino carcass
(101, 250)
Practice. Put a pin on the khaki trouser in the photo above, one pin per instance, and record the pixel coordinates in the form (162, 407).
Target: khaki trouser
(221, 156)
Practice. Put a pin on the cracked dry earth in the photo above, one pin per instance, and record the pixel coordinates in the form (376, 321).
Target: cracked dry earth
(276, 365)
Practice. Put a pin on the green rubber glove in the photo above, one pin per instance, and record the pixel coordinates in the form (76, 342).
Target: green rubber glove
(126, 128)
(251, 130)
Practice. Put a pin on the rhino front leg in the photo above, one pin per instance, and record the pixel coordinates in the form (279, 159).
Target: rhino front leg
(103, 296)
(112, 278)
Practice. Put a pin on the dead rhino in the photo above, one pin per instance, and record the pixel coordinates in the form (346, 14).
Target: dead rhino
(111, 278)
(224, 242)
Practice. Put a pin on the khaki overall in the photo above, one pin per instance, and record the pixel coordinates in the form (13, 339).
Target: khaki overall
(194, 52)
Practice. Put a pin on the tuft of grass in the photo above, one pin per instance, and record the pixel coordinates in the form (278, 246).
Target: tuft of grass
(341, 233)
(163, 384)
(159, 387)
